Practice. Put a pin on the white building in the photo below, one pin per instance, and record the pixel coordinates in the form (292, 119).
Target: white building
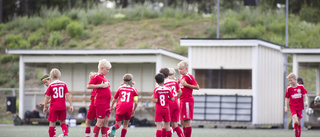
(75, 66)
(242, 80)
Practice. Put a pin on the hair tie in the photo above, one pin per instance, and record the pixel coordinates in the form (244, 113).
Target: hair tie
(45, 78)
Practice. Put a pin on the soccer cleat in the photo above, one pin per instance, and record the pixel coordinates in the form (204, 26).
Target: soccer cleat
(113, 131)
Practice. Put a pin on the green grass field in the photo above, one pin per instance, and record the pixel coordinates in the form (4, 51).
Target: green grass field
(42, 131)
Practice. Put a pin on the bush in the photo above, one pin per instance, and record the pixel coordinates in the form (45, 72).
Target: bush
(16, 41)
(56, 24)
(230, 25)
(34, 23)
(7, 58)
(75, 29)
(310, 14)
(278, 28)
(35, 38)
(211, 31)
(55, 39)
(120, 41)
(72, 43)
(252, 32)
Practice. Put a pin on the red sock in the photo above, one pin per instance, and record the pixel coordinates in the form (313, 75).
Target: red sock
(299, 130)
(188, 132)
(169, 134)
(296, 130)
(87, 131)
(64, 129)
(52, 131)
(173, 129)
(96, 130)
(184, 131)
(123, 132)
(104, 131)
(164, 132)
(116, 125)
(159, 133)
(179, 131)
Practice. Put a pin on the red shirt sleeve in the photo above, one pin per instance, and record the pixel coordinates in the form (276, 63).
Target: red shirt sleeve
(117, 94)
(66, 89)
(170, 95)
(287, 94)
(135, 92)
(155, 95)
(191, 80)
(48, 92)
(177, 86)
(93, 80)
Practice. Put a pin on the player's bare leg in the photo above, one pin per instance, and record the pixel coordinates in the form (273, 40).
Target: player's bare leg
(88, 130)
(177, 129)
(167, 127)
(97, 127)
(159, 129)
(105, 128)
(187, 128)
(114, 128)
(124, 129)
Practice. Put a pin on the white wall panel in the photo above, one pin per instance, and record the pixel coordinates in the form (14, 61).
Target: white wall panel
(217, 57)
(270, 89)
(79, 77)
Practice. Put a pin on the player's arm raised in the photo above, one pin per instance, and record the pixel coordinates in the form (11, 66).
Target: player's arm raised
(70, 102)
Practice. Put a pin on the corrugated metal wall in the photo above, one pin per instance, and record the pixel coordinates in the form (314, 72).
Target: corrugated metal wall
(270, 88)
(217, 57)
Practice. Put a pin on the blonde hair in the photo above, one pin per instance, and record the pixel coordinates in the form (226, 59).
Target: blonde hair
(104, 63)
(292, 75)
(172, 72)
(183, 64)
(55, 73)
(92, 74)
(127, 79)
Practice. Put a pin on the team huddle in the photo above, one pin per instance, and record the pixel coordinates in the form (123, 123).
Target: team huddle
(168, 107)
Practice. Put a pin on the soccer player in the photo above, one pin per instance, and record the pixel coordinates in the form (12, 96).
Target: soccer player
(92, 108)
(46, 80)
(161, 96)
(57, 91)
(187, 83)
(173, 105)
(295, 93)
(103, 96)
(125, 96)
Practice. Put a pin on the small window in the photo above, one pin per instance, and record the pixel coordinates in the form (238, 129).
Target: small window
(224, 79)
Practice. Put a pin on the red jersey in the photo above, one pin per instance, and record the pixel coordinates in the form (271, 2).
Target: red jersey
(187, 92)
(175, 87)
(163, 94)
(103, 95)
(296, 96)
(125, 102)
(57, 90)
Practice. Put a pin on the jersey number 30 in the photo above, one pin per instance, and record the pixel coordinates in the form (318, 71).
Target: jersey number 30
(58, 92)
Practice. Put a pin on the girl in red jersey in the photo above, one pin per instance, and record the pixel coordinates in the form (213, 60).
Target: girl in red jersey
(57, 91)
(161, 96)
(103, 96)
(125, 97)
(295, 93)
(187, 84)
(92, 108)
